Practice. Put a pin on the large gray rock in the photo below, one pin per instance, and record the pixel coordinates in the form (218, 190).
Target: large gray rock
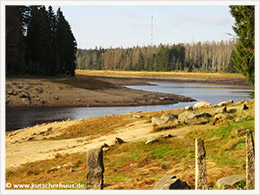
(225, 103)
(171, 183)
(168, 117)
(185, 116)
(190, 117)
(202, 105)
(219, 110)
(158, 121)
(222, 116)
(232, 180)
(239, 108)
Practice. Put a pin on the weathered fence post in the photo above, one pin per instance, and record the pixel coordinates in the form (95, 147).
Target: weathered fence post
(250, 161)
(95, 170)
(201, 182)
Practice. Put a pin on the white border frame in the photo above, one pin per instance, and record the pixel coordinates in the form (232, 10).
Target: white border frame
(126, 3)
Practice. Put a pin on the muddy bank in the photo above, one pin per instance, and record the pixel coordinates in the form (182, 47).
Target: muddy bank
(81, 92)
(144, 80)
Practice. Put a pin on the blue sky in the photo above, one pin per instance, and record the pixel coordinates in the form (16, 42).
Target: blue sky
(127, 26)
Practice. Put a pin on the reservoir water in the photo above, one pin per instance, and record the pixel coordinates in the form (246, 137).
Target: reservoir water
(17, 118)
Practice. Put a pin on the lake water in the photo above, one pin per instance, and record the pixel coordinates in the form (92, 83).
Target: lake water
(17, 118)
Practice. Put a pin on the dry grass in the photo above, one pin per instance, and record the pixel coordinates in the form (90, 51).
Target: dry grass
(135, 165)
(94, 127)
(157, 74)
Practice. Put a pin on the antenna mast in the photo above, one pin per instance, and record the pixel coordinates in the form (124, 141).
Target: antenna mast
(152, 29)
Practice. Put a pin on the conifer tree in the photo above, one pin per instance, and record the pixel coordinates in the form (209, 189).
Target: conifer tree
(244, 27)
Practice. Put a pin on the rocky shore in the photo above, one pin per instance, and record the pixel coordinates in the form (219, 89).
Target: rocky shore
(24, 92)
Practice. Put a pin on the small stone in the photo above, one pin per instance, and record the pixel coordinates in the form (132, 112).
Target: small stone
(78, 99)
(239, 119)
(166, 135)
(150, 140)
(29, 138)
(56, 98)
(58, 167)
(137, 116)
(49, 129)
(9, 92)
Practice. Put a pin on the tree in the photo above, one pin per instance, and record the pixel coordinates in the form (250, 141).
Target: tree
(244, 28)
(66, 46)
(14, 40)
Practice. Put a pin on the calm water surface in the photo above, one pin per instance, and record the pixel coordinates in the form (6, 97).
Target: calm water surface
(17, 118)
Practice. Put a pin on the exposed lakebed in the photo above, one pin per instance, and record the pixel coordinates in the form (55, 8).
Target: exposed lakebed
(17, 118)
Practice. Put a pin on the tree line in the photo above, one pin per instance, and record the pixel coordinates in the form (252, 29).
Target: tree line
(39, 42)
(206, 56)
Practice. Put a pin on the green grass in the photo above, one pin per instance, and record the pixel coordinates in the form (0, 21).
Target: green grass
(117, 177)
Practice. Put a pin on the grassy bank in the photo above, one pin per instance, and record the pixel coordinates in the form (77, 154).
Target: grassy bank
(135, 165)
(147, 74)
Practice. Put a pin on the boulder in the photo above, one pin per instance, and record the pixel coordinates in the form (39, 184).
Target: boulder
(202, 105)
(203, 115)
(171, 183)
(225, 182)
(168, 117)
(186, 115)
(188, 108)
(150, 140)
(241, 108)
(225, 103)
(158, 121)
(220, 110)
(222, 116)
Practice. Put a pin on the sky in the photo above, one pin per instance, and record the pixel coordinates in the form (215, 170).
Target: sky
(128, 26)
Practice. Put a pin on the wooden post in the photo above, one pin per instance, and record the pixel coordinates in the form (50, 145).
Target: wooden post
(201, 182)
(250, 161)
(95, 170)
